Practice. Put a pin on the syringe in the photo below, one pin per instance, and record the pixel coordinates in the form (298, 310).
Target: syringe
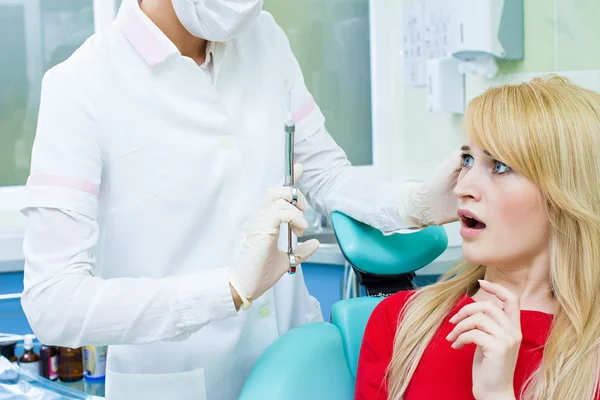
(290, 129)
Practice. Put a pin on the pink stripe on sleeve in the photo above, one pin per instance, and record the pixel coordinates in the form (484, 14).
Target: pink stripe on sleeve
(63, 181)
(304, 111)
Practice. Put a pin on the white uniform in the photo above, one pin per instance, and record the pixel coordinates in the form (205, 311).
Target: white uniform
(144, 168)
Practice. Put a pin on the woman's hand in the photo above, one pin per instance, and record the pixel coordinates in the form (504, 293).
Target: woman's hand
(433, 202)
(496, 331)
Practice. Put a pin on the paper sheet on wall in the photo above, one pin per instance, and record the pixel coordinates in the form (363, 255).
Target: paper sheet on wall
(413, 40)
(436, 25)
(425, 31)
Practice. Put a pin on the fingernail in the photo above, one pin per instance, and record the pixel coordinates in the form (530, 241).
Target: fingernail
(482, 281)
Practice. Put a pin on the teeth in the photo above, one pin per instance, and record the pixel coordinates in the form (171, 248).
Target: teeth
(469, 217)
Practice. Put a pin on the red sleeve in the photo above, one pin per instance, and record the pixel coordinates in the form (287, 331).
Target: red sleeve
(377, 347)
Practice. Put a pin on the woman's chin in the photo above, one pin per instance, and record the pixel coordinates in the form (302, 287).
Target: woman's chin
(475, 254)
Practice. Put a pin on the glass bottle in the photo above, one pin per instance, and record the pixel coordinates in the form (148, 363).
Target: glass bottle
(7, 350)
(49, 368)
(70, 364)
(30, 360)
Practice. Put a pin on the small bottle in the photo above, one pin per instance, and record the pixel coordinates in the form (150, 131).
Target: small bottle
(94, 359)
(30, 361)
(70, 364)
(49, 356)
(7, 350)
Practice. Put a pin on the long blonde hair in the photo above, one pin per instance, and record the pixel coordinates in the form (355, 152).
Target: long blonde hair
(549, 131)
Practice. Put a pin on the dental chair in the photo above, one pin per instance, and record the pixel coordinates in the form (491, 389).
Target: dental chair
(319, 360)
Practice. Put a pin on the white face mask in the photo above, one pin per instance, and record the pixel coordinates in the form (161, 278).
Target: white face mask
(217, 20)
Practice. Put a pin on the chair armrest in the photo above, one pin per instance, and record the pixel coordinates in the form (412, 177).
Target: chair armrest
(307, 362)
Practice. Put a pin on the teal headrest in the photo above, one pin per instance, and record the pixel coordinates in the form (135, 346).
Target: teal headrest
(371, 252)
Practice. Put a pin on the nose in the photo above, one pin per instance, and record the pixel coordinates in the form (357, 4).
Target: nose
(468, 185)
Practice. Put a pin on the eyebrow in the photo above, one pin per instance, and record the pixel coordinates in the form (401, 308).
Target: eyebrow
(467, 148)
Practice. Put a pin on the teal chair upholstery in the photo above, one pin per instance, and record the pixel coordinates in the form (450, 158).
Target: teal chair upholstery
(386, 264)
(319, 360)
(351, 317)
(316, 361)
(307, 362)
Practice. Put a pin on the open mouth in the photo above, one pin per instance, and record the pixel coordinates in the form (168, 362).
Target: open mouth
(472, 223)
(470, 220)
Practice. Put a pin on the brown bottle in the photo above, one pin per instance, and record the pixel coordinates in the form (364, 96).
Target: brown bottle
(7, 350)
(30, 361)
(49, 368)
(70, 364)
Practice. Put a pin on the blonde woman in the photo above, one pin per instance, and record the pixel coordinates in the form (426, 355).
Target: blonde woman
(520, 319)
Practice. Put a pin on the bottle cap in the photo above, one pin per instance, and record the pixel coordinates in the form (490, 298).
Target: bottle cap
(28, 342)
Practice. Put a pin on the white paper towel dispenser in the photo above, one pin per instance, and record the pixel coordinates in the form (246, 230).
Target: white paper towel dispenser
(484, 29)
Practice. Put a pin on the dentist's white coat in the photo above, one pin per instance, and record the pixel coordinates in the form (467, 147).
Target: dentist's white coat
(144, 168)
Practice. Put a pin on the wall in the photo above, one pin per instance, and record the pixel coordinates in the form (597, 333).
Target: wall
(560, 36)
(330, 40)
(12, 318)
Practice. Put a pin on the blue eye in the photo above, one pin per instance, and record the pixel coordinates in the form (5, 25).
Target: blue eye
(467, 161)
(500, 168)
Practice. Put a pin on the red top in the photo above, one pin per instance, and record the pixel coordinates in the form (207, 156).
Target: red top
(442, 373)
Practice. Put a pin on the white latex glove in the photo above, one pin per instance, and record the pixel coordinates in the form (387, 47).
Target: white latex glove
(433, 201)
(261, 264)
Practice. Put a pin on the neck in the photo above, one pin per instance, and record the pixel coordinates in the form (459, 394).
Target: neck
(164, 17)
(530, 281)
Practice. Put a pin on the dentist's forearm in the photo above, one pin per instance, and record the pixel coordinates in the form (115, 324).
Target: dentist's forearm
(67, 305)
(331, 183)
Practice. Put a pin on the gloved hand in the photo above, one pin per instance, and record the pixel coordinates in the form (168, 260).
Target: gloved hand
(261, 264)
(433, 201)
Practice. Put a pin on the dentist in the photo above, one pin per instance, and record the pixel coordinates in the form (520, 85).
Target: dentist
(157, 142)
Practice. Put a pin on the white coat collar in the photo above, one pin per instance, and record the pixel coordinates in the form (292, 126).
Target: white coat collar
(149, 41)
